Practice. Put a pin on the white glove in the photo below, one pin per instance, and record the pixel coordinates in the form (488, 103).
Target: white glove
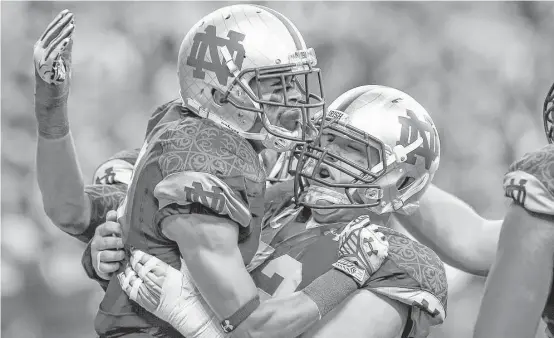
(52, 52)
(362, 250)
(170, 295)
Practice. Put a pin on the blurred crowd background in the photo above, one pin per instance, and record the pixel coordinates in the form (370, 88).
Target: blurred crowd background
(480, 69)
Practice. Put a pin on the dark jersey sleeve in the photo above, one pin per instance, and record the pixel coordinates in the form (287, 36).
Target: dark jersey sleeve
(208, 190)
(103, 198)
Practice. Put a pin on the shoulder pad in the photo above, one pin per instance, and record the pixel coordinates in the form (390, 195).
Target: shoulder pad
(212, 192)
(530, 181)
(118, 169)
(195, 144)
(160, 113)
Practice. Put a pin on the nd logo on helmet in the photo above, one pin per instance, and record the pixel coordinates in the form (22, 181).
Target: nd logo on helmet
(412, 128)
(209, 39)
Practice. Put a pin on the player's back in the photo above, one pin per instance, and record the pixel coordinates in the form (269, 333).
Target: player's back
(186, 165)
(300, 250)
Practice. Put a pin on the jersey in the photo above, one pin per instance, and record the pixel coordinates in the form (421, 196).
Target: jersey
(111, 179)
(530, 183)
(186, 165)
(297, 250)
(108, 189)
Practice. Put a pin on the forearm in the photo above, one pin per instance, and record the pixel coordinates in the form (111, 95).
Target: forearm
(292, 315)
(221, 278)
(450, 226)
(61, 184)
(287, 316)
(51, 108)
(58, 173)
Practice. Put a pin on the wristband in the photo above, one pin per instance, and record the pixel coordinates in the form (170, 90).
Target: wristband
(329, 290)
(240, 315)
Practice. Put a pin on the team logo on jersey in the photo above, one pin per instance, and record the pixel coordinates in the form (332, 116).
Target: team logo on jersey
(517, 192)
(209, 40)
(412, 129)
(213, 199)
(108, 178)
(112, 172)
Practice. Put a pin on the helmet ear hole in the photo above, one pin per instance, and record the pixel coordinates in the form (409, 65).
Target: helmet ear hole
(404, 183)
(217, 97)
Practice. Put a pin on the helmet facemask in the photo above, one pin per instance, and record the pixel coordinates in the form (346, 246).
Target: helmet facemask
(362, 191)
(300, 74)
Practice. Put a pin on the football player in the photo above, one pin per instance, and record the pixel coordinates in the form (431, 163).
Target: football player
(377, 154)
(519, 287)
(197, 186)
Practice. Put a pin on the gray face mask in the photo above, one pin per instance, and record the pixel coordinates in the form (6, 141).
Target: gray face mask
(323, 195)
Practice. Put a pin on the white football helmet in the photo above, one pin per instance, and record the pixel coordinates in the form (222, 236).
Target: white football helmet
(232, 50)
(393, 131)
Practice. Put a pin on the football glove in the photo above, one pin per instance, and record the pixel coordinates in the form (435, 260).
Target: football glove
(52, 52)
(362, 250)
(170, 295)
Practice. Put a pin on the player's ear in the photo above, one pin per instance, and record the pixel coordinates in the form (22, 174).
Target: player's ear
(217, 96)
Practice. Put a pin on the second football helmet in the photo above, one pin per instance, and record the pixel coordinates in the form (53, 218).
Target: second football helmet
(398, 147)
(232, 51)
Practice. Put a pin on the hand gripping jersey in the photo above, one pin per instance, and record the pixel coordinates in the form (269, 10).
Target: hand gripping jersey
(295, 250)
(110, 183)
(108, 190)
(186, 165)
(530, 183)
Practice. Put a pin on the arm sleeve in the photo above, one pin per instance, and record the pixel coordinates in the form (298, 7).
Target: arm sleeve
(530, 181)
(103, 198)
(189, 188)
(108, 189)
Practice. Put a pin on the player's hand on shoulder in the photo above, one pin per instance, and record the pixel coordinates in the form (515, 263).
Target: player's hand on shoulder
(107, 247)
(362, 250)
(52, 51)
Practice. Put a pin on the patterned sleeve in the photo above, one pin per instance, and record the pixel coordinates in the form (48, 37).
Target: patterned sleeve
(103, 198)
(191, 187)
(108, 188)
(530, 181)
(117, 169)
